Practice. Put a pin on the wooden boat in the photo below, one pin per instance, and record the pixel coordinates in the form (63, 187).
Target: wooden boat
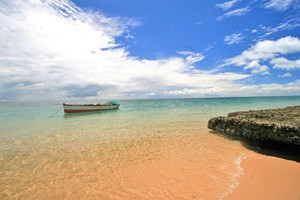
(77, 108)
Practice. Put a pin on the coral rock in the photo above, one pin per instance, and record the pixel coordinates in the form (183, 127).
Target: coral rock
(280, 125)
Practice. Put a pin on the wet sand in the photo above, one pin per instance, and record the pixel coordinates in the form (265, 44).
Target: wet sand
(181, 165)
(267, 177)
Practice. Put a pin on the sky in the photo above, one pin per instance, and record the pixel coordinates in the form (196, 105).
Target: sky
(148, 49)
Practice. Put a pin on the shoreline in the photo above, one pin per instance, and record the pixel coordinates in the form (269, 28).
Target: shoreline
(267, 177)
(272, 170)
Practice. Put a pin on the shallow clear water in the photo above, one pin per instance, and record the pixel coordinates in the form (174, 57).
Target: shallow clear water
(148, 149)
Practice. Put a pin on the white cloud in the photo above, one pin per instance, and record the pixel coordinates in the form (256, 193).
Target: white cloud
(285, 75)
(279, 5)
(276, 89)
(234, 13)
(290, 24)
(191, 57)
(257, 68)
(227, 5)
(266, 50)
(199, 23)
(55, 50)
(283, 63)
(291, 88)
(233, 38)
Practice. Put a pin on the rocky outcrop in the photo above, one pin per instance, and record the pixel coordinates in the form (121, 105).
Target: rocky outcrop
(280, 125)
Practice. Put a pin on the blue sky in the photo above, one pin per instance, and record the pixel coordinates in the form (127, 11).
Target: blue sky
(120, 49)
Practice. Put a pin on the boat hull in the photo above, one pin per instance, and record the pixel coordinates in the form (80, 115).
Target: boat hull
(73, 108)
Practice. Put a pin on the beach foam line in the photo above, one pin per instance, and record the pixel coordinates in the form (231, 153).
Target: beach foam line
(267, 177)
(239, 172)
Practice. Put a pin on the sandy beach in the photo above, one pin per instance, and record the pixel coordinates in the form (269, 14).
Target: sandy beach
(267, 177)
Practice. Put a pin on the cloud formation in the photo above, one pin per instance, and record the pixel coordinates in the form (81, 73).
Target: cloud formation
(285, 75)
(267, 50)
(55, 50)
(279, 5)
(227, 5)
(283, 26)
(283, 63)
(233, 38)
(191, 57)
(234, 13)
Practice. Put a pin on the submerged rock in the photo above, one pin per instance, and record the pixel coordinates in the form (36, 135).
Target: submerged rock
(280, 125)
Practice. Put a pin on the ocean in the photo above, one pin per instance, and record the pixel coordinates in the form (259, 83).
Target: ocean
(147, 149)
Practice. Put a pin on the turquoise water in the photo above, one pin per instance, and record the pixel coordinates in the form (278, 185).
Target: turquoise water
(47, 154)
(206, 107)
(35, 119)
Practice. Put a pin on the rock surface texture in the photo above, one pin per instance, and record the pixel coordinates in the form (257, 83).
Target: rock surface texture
(280, 125)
